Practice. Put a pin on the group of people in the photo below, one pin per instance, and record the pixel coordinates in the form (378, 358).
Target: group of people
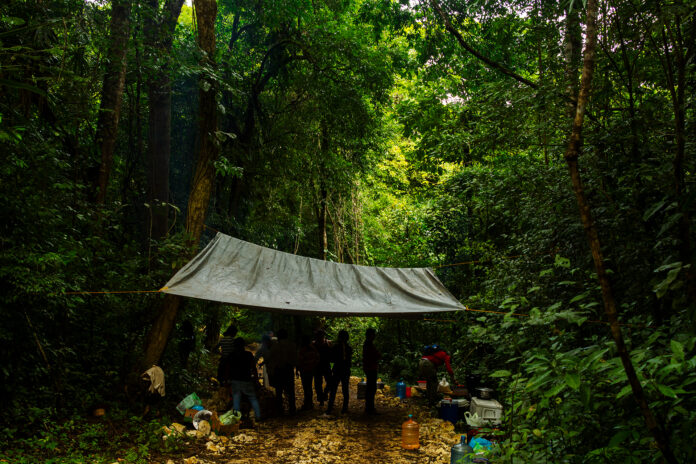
(321, 365)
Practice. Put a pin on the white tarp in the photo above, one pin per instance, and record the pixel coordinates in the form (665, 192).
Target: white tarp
(233, 271)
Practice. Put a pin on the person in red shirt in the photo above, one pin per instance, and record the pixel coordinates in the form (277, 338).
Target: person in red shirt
(371, 358)
(433, 358)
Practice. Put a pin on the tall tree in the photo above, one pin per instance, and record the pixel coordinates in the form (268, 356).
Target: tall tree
(112, 92)
(201, 189)
(572, 154)
(159, 29)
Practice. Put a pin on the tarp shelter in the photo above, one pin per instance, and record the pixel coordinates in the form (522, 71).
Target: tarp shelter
(232, 271)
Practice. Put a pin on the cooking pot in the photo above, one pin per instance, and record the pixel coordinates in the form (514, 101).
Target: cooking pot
(484, 392)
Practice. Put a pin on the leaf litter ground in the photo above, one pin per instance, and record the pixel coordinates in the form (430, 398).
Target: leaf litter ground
(313, 437)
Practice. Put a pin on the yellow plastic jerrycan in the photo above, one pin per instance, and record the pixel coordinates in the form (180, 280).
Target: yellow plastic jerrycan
(409, 434)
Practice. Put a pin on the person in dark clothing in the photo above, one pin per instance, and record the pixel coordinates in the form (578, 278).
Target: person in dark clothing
(242, 376)
(323, 370)
(371, 357)
(226, 343)
(434, 357)
(342, 353)
(226, 346)
(282, 361)
(307, 361)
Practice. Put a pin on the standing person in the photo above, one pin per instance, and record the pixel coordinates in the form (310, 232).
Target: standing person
(307, 362)
(226, 346)
(342, 354)
(283, 359)
(434, 357)
(242, 376)
(323, 370)
(264, 352)
(371, 357)
(226, 343)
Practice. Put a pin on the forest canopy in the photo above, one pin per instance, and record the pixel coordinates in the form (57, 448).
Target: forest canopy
(538, 155)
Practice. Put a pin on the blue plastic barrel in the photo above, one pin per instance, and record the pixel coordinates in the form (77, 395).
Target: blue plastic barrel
(449, 411)
(401, 389)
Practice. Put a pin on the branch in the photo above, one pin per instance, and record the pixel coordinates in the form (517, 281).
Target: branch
(492, 64)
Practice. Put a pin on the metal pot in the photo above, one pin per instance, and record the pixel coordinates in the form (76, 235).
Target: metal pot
(484, 393)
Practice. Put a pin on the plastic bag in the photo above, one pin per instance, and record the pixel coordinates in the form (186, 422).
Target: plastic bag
(480, 444)
(230, 417)
(444, 386)
(188, 403)
(473, 420)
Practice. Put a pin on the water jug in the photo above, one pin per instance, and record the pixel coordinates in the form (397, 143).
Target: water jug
(460, 452)
(401, 389)
(409, 434)
(362, 387)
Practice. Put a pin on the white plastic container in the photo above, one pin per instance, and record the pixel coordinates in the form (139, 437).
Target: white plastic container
(489, 410)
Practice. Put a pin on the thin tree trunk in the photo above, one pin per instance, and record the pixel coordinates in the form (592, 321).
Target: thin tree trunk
(321, 223)
(112, 92)
(571, 157)
(677, 88)
(572, 44)
(159, 143)
(159, 37)
(202, 185)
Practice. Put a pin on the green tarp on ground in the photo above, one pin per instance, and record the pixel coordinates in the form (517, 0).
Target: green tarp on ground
(232, 271)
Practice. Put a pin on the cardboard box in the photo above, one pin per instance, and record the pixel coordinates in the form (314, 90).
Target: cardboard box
(221, 429)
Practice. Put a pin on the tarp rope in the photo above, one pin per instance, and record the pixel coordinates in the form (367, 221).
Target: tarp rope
(110, 292)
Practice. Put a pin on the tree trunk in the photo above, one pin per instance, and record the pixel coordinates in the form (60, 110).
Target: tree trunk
(572, 44)
(321, 223)
(212, 327)
(677, 88)
(571, 157)
(112, 93)
(159, 143)
(206, 10)
(157, 337)
(159, 36)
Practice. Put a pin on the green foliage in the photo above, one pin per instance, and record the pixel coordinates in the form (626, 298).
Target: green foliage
(423, 156)
(115, 437)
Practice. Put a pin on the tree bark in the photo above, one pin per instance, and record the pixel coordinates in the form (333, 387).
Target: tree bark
(321, 222)
(572, 44)
(571, 157)
(206, 11)
(676, 80)
(159, 143)
(112, 93)
(159, 36)
(201, 188)
(322, 208)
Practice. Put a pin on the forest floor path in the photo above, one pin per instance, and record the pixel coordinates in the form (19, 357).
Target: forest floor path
(313, 437)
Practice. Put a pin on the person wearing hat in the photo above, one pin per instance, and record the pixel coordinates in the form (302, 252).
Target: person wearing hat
(433, 357)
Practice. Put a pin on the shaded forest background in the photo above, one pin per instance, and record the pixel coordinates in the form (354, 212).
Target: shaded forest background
(371, 132)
